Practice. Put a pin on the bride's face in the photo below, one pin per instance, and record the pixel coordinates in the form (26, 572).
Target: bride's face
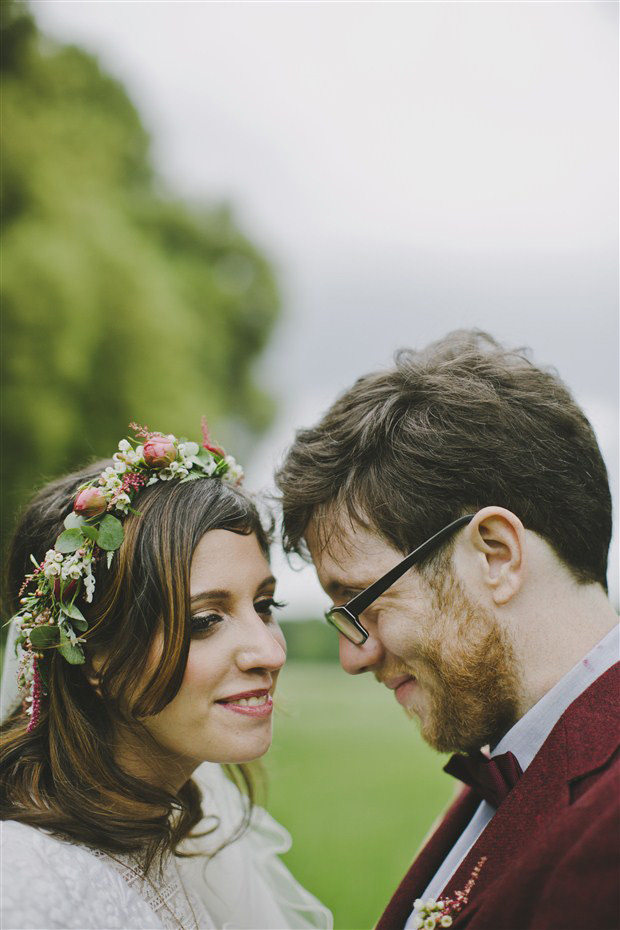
(223, 710)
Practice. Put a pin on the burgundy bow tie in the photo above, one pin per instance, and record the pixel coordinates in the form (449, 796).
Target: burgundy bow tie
(492, 778)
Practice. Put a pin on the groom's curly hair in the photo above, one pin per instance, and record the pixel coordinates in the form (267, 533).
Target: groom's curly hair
(460, 425)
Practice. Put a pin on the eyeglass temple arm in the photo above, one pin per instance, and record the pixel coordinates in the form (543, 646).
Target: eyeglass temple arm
(361, 601)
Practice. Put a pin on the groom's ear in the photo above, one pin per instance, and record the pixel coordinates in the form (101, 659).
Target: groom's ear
(497, 547)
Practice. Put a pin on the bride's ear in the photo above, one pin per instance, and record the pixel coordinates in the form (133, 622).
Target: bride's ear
(498, 540)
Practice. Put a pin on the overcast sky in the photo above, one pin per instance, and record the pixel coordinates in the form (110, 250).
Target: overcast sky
(410, 168)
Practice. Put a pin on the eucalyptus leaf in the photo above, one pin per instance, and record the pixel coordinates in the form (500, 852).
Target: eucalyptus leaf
(110, 533)
(73, 654)
(69, 541)
(71, 610)
(80, 623)
(89, 532)
(73, 521)
(43, 636)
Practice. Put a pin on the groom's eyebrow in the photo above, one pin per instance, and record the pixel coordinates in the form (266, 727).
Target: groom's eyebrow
(343, 588)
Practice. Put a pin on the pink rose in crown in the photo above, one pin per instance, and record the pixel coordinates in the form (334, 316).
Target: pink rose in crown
(90, 503)
(159, 451)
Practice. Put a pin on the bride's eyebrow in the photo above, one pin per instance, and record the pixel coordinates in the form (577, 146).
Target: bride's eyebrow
(220, 594)
(267, 583)
(216, 594)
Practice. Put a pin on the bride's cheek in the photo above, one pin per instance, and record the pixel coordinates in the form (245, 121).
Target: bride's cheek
(201, 669)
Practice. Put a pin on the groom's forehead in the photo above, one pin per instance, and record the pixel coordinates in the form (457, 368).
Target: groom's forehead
(348, 557)
(337, 541)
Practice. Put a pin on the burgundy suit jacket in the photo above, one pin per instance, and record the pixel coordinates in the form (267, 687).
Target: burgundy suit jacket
(553, 847)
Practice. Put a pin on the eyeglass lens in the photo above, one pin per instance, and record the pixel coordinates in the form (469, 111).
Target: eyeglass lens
(345, 626)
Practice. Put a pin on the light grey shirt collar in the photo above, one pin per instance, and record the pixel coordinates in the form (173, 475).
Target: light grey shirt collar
(528, 734)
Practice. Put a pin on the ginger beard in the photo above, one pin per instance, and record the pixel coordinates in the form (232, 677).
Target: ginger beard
(466, 670)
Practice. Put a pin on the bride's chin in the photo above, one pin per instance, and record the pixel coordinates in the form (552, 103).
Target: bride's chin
(261, 752)
(249, 753)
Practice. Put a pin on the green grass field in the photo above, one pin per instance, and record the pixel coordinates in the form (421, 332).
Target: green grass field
(352, 780)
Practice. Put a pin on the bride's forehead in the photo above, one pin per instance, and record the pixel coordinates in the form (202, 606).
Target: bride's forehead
(224, 556)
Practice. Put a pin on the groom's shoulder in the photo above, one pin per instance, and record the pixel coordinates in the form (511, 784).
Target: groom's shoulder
(568, 876)
(590, 727)
(569, 870)
(563, 872)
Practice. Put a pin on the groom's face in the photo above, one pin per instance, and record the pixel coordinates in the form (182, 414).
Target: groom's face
(445, 657)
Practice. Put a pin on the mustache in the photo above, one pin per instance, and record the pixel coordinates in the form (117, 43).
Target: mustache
(396, 670)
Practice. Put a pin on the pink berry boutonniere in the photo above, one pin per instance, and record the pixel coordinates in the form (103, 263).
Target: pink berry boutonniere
(432, 914)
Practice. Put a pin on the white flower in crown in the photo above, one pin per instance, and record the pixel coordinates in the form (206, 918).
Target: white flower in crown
(177, 470)
(122, 502)
(89, 583)
(208, 466)
(234, 472)
(52, 566)
(188, 452)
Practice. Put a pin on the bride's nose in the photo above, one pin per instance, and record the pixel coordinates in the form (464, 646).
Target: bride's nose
(261, 645)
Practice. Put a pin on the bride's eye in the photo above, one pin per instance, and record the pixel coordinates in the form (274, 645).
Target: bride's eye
(266, 605)
(202, 623)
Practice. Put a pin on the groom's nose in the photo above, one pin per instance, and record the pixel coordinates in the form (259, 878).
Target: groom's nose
(357, 659)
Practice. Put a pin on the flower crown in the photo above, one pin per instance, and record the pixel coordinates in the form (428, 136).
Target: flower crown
(49, 616)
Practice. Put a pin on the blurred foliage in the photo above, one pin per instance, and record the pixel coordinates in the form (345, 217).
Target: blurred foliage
(118, 303)
(310, 640)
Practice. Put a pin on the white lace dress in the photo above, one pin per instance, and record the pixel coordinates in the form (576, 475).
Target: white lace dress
(49, 884)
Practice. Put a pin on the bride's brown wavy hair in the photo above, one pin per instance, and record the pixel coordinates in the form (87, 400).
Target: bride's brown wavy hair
(63, 776)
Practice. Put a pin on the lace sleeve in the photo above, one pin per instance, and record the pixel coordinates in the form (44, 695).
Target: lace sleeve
(48, 884)
(246, 886)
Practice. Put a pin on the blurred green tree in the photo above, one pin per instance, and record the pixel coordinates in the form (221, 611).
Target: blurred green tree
(118, 302)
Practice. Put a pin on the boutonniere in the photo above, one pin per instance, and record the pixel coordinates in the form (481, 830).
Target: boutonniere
(430, 914)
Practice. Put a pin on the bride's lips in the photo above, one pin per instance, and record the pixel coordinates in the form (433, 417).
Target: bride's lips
(256, 703)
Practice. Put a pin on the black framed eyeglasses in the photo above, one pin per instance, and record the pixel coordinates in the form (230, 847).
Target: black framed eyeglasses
(346, 618)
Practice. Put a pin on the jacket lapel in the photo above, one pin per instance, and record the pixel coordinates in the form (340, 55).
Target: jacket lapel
(545, 789)
(541, 792)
